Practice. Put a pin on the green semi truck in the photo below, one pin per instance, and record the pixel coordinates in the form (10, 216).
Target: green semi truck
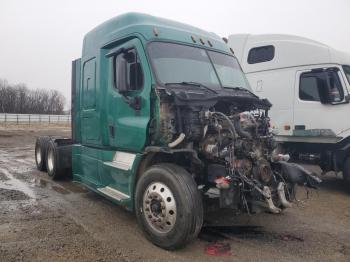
(163, 123)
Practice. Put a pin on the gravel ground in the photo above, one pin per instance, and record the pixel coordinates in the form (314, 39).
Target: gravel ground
(42, 220)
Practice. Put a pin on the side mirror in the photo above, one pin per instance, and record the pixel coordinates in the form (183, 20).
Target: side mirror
(122, 76)
(323, 91)
(324, 95)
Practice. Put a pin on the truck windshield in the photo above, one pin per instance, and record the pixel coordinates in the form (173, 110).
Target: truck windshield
(175, 63)
(347, 72)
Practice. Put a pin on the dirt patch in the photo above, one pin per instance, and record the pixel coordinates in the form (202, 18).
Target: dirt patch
(213, 234)
(5, 135)
(9, 194)
(3, 177)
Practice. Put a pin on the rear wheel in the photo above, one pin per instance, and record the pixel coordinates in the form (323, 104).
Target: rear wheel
(41, 152)
(168, 206)
(346, 170)
(53, 169)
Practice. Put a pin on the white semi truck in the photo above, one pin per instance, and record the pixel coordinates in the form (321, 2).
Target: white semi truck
(308, 84)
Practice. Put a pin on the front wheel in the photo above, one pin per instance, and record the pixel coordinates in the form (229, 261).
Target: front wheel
(168, 206)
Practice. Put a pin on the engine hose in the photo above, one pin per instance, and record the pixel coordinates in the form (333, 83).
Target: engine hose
(233, 130)
(239, 129)
(177, 141)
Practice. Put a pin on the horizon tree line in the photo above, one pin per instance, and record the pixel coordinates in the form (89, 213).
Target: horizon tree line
(19, 99)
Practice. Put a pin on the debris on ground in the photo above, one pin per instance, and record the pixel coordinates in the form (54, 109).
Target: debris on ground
(219, 249)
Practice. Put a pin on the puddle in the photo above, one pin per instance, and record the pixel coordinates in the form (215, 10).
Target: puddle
(74, 187)
(15, 184)
(60, 190)
(62, 187)
(38, 182)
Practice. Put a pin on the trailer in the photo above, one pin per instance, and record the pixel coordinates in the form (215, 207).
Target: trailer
(164, 123)
(308, 84)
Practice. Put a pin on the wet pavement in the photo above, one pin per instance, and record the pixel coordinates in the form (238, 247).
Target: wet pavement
(43, 220)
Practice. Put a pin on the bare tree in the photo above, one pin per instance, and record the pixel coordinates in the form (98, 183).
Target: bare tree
(19, 99)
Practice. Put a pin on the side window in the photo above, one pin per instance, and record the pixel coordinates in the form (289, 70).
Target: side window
(261, 54)
(134, 73)
(309, 86)
(315, 85)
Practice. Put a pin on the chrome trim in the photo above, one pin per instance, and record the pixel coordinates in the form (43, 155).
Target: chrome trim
(113, 193)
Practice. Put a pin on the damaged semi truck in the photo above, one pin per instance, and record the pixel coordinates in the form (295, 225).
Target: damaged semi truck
(162, 114)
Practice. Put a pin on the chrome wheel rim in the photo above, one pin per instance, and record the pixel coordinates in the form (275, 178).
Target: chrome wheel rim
(38, 155)
(50, 160)
(159, 207)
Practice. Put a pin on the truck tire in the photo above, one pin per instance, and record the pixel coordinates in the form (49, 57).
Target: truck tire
(168, 206)
(346, 170)
(41, 152)
(52, 164)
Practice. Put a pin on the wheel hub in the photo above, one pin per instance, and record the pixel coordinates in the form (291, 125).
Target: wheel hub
(156, 207)
(159, 207)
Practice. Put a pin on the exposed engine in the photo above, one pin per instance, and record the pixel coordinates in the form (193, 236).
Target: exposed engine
(229, 132)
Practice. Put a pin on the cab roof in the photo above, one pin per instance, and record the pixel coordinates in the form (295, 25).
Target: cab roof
(149, 28)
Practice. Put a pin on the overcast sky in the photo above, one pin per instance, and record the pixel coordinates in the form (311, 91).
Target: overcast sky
(40, 38)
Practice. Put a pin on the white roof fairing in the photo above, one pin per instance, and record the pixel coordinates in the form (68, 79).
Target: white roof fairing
(289, 51)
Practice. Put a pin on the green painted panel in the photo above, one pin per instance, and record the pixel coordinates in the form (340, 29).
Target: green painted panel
(89, 109)
(144, 25)
(94, 168)
(89, 84)
(130, 125)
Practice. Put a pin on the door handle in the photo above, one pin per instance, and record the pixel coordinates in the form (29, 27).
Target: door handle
(111, 130)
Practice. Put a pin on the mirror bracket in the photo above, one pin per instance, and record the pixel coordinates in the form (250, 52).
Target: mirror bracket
(347, 98)
(133, 102)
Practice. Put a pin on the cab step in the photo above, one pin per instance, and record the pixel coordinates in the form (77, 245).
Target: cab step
(113, 193)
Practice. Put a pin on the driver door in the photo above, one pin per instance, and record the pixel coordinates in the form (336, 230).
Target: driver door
(127, 125)
(320, 103)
